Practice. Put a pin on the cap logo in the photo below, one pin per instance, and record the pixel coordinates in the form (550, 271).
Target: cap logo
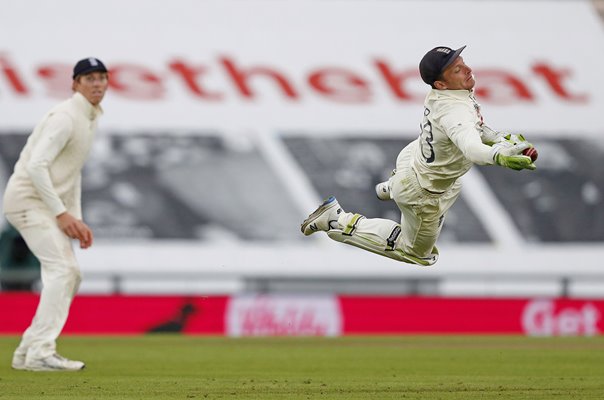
(443, 50)
(93, 62)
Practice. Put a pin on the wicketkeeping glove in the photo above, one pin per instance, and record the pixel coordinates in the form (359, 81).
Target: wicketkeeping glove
(516, 139)
(490, 136)
(509, 154)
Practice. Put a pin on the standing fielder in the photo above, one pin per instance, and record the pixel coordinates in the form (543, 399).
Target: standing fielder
(425, 183)
(43, 202)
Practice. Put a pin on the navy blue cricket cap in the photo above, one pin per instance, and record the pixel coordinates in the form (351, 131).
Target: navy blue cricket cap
(436, 61)
(88, 65)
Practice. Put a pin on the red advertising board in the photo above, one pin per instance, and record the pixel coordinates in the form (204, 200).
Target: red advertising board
(541, 317)
(270, 315)
(122, 314)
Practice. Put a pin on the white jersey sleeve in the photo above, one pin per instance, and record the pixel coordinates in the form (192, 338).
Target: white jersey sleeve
(462, 130)
(55, 134)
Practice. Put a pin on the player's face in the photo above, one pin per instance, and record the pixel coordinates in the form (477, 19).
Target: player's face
(458, 76)
(92, 86)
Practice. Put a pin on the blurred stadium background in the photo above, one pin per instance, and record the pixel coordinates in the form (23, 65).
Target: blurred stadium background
(227, 122)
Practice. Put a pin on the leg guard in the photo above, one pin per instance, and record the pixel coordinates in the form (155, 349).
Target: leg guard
(379, 236)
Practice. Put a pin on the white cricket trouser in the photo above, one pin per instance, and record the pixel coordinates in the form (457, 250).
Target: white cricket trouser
(61, 279)
(422, 212)
(422, 217)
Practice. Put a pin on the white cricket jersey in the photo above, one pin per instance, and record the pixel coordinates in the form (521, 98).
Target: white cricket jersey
(449, 143)
(48, 171)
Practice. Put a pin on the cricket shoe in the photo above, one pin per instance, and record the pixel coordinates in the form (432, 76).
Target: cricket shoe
(18, 361)
(383, 190)
(54, 362)
(323, 218)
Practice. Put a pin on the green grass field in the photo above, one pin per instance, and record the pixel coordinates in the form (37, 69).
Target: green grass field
(394, 367)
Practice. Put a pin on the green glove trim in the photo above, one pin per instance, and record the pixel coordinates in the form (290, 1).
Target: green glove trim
(517, 162)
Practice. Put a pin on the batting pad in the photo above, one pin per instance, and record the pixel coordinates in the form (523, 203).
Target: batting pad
(379, 245)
